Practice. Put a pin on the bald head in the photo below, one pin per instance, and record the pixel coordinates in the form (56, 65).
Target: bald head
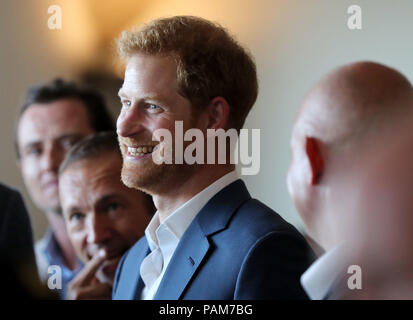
(352, 99)
(346, 120)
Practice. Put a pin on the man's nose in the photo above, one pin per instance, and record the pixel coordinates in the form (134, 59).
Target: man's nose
(130, 122)
(98, 230)
(51, 158)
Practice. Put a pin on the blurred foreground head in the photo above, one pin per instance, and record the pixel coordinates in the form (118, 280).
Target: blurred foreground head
(351, 173)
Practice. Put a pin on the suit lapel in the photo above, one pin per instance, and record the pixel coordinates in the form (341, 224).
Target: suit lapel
(194, 244)
(187, 258)
(132, 287)
(138, 282)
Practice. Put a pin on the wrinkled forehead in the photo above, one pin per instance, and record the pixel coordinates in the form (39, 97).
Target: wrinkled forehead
(86, 181)
(52, 120)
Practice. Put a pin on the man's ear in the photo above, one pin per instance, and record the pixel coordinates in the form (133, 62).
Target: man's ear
(218, 112)
(315, 158)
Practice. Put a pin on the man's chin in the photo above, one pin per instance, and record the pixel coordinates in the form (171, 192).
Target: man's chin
(143, 178)
(133, 182)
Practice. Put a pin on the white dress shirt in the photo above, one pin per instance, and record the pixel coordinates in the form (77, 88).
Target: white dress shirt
(318, 279)
(164, 238)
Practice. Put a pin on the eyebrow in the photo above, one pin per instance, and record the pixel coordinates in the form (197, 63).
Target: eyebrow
(69, 136)
(106, 198)
(121, 93)
(31, 144)
(72, 209)
(62, 137)
(149, 96)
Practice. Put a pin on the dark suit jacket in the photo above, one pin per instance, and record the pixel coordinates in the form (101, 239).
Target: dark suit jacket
(236, 248)
(16, 239)
(17, 261)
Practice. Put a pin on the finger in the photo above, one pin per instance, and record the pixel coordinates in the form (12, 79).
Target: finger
(86, 275)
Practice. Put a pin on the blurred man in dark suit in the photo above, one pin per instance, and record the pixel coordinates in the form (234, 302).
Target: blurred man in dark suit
(17, 262)
(16, 239)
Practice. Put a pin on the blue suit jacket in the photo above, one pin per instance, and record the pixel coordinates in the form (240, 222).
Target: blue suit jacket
(235, 248)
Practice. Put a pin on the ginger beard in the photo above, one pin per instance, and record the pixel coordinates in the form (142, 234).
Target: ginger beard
(147, 175)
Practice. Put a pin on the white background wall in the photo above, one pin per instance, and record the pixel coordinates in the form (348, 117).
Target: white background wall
(294, 43)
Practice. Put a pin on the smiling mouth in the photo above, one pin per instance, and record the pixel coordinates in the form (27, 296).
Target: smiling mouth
(141, 150)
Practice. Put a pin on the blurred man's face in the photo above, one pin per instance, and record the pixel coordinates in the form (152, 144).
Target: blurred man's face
(100, 211)
(385, 200)
(45, 133)
(150, 101)
(365, 191)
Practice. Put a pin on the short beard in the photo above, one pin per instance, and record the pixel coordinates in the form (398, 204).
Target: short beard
(156, 179)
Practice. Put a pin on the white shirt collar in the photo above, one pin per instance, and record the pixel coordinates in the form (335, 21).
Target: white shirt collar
(318, 279)
(178, 221)
(164, 238)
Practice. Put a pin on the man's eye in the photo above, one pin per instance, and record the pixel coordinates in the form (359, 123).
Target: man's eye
(127, 103)
(153, 108)
(113, 206)
(76, 216)
(35, 151)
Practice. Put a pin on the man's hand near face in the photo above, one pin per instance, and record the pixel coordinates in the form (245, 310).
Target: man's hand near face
(86, 286)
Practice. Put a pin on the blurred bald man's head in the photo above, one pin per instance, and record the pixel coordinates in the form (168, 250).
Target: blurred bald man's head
(352, 150)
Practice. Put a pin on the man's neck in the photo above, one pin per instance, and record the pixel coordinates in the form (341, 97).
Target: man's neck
(58, 226)
(328, 243)
(329, 232)
(168, 202)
